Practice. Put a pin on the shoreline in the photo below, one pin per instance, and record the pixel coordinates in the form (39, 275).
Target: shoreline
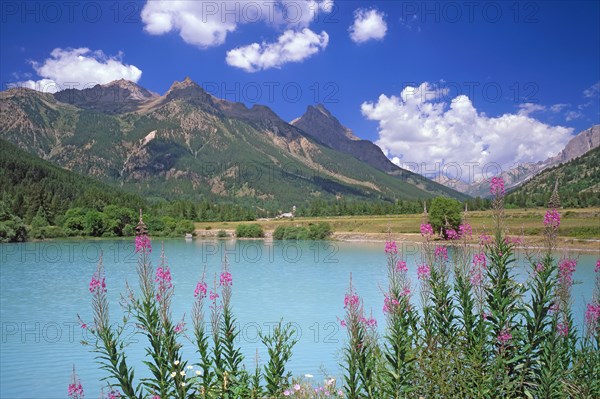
(584, 245)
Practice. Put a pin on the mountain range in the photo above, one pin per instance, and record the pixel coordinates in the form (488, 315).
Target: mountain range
(189, 144)
(578, 146)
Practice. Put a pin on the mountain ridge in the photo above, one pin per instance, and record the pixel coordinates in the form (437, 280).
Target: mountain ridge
(188, 143)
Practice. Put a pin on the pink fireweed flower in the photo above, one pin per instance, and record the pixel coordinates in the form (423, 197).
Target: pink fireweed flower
(423, 272)
(552, 219)
(389, 304)
(351, 301)
(226, 279)
(566, 268)
(113, 395)
(369, 323)
(597, 268)
(476, 277)
(484, 239)
(441, 253)
(405, 291)
(390, 247)
(480, 260)
(539, 267)
(163, 278)
(497, 187)
(213, 296)
(143, 242)
(343, 323)
(592, 313)
(451, 234)
(465, 231)
(426, 230)
(75, 390)
(513, 240)
(179, 327)
(200, 290)
(562, 329)
(97, 284)
(401, 266)
(504, 337)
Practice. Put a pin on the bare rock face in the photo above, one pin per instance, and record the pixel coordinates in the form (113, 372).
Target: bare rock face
(579, 145)
(119, 96)
(318, 123)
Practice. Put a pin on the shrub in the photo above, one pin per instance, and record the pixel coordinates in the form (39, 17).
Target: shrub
(222, 234)
(249, 231)
(318, 231)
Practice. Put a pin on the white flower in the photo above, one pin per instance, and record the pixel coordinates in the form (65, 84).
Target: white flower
(176, 362)
(173, 374)
(190, 367)
(182, 373)
(198, 372)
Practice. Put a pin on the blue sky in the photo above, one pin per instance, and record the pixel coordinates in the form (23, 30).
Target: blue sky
(500, 55)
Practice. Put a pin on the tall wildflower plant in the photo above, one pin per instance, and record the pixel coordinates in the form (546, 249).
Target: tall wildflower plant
(75, 389)
(229, 331)
(539, 320)
(401, 331)
(360, 354)
(503, 300)
(205, 374)
(109, 343)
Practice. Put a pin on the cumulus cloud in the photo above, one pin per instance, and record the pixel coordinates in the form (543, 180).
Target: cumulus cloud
(291, 46)
(593, 90)
(368, 25)
(79, 68)
(206, 23)
(423, 134)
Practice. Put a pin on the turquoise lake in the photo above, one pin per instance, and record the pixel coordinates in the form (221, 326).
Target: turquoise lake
(44, 286)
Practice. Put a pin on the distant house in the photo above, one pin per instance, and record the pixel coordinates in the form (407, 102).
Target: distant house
(287, 215)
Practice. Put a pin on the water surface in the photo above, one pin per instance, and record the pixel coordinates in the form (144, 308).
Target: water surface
(45, 285)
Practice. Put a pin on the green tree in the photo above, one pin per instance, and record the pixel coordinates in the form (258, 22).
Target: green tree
(445, 213)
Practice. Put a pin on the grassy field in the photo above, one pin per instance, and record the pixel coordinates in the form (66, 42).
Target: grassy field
(577, 225)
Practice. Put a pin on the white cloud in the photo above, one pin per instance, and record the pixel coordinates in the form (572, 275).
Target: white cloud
(368, 25)
(556, 108)
(291, 46)
(572, 115)
(416, 129)
(593, 90)
(206, 23)
(529, 108)
(79, 68)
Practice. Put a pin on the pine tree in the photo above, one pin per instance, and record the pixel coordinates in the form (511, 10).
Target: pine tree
(554, 202)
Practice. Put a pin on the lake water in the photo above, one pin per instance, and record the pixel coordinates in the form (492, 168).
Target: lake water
(45, 285)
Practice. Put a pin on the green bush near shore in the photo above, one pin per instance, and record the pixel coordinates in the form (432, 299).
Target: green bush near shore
(316, 231)
(249, 231)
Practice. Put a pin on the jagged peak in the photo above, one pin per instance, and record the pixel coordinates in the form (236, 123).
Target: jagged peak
(325, 119)
(185, 83)
(321, 108)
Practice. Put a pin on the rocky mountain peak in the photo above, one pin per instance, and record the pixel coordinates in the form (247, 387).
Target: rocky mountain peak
(184, 84)
(318, 122)
(132, 90)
